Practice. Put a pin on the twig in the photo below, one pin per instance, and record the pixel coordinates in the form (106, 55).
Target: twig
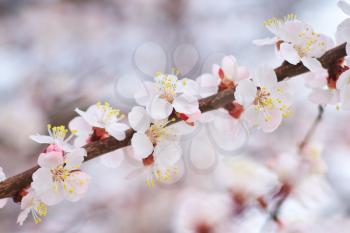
(286, 189)
(312, 129)
(11, 186)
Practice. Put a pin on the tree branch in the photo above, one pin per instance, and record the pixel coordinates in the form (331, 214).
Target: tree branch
(11, 186)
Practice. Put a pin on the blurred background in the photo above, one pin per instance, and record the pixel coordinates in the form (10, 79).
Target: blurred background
(56, 55)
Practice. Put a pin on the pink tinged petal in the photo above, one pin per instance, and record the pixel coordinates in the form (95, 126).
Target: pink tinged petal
(186, 104)
(113, 159)
(159, 109)
(289, 53)
(344, 6)
(324, 97)
(270, 120)
(208, 85)
(43, 139)
(145, 94)
(81, 126)
(117, 130)
(345, 97)
(215, 71)
(194, 116)
(265, 76)
(312, 64)
(75, 158)
(265, 41)
(229, 65)
(343, 32)
(139, 119)
(3, 202)
(50, 159)
(167, 153)
(245, 92)
(344, 80)
(141, 145)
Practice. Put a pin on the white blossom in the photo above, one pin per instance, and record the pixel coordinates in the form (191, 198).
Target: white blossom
(31, 204)
(295, 40)
(59, 177)
(266, 101)
(57, 136)
(166, 93)
(102, 117)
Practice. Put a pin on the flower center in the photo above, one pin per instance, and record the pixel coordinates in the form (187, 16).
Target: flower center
(59, 174)
(166, 84)
(263, 98)
(39, 211)
(310, 40)
(265, 101)
(158, 130)
(109, 113)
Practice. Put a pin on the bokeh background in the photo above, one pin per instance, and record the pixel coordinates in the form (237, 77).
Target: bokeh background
(56, 55)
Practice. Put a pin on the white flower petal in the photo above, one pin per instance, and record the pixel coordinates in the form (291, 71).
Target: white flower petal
(312, 64)
(319, 96)
(76, 186)
(265, 76)
(75, 158)
(141, 145)
(345, 97)
(289, 53)
(3, 202)
(229, 66)
(80, 125)
(117, 130)
(245, 92)
(42, 180)
(52, 196)
(343, 31)
(250, 116)
(113, 159)
(92, 115)
(344, 6)
(208, 85)
(344, 80)
(42, 139)
(145, 94)
(23, 216)
(139, 119)
(187, 86)
(167, 153)
(159, 109)
(50, 159)
(270, 120)
(186, 104)
(265, 41)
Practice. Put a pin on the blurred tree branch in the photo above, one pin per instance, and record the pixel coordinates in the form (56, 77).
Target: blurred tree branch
(11, 186)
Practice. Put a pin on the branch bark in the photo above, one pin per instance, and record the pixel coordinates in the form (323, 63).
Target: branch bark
(12, 185)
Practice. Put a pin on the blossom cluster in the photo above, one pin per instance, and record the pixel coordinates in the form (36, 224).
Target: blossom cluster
(261, 102)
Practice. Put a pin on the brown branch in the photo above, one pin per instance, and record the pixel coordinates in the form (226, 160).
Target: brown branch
(312, 129)
(11, 186)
